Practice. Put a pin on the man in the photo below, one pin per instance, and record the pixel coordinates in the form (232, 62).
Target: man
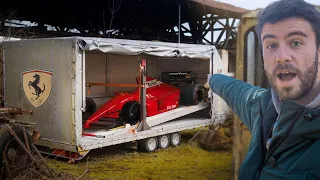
(284, 120)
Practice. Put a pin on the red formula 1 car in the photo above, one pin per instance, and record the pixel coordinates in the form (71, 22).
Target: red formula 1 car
(160, 97)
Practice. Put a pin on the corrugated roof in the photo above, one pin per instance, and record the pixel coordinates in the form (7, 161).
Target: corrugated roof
(223, 7)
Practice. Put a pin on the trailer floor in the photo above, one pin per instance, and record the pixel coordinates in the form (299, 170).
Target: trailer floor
(187, 161)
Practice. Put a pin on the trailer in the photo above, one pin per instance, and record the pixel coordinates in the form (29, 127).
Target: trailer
(55, 77)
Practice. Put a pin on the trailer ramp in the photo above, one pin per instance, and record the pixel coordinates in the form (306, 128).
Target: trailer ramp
(128, 134)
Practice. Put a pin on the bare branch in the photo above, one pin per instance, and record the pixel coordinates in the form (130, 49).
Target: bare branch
(115, 7)
(120, 1)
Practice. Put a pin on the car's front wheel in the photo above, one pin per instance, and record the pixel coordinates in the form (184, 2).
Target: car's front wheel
(130, 113)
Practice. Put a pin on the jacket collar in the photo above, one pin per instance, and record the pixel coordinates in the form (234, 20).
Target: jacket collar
(277, 103)
(305, 121)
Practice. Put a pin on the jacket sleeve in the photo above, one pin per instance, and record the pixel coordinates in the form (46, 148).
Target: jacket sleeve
(237, 94)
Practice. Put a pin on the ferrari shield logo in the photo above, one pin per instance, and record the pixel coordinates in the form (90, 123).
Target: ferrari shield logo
(37, 86)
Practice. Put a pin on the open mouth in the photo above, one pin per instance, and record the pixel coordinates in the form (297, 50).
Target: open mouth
(286, 76)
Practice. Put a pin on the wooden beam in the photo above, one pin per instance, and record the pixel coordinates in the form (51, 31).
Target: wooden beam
(185, 29)
(207, 41)
(219, 37)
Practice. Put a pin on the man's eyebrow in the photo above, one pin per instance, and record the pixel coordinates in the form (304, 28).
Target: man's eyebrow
(300, 33)
(268, 36)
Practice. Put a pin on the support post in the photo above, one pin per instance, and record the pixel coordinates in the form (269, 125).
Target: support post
(179, 21)
(211, 99)
(143, 100)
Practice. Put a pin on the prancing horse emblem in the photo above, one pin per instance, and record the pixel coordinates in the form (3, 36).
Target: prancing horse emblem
(37, 86)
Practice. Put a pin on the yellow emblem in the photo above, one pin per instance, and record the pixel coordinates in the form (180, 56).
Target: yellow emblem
(37, 86)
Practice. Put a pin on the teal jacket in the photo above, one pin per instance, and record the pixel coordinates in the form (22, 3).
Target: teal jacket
(294, 152)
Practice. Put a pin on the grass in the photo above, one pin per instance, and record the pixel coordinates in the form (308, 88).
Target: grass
(187, 161)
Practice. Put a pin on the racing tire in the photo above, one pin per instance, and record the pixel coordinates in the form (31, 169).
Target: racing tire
(90, 108)
(175, 139)
(192, 94)
(9, 148)
(130, 113)
(148, 145)
(164, 141)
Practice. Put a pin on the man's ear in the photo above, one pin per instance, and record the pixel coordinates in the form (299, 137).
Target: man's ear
(319, 54)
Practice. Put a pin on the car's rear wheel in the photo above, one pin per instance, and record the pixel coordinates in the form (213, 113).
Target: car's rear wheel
(192, 94)
(90, 108)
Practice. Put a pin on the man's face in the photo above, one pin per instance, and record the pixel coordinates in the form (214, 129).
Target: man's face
(290, 57)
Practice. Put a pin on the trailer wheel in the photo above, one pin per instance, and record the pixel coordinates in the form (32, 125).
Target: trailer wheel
(14, 160)
(175, 139)
(192, 94)
(149, 144)
(130, 113)
(164, 141)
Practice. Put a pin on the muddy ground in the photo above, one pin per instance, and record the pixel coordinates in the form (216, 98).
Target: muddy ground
(187, 161)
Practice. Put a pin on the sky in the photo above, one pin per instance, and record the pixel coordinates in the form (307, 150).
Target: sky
(250, 5)
(254, 4)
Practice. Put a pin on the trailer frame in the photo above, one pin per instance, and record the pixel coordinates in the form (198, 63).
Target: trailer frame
(74, 49)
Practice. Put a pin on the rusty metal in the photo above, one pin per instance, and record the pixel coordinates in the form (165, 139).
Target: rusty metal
(42, 159)
(19, 142)
(14, 110)
(35, 135)
(4, 116)
(27, 150)
(90, 85)
(34, 171)
(112, 85)
(6, 119)
(7, 116)
(6, 165)
(26, 138)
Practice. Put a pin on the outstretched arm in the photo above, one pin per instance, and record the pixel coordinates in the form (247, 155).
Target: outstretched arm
(237, 94)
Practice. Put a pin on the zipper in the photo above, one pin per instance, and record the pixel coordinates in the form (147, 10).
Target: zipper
(274, 147)
(268, 154)
(263, 148)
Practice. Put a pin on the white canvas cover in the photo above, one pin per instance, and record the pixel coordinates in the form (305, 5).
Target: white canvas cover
(160, 49)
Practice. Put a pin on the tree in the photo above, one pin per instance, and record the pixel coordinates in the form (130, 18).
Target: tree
(113, 9)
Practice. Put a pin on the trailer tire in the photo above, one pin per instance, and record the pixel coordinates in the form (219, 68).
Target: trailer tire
(149, 144)
(8, 144)
(130, 113)
(175, 139)
(192, 94)
(164, 141)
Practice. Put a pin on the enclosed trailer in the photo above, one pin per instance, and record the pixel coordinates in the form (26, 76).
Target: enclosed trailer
(51, 77)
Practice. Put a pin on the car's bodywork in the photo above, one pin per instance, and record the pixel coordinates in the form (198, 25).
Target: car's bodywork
(160, 97)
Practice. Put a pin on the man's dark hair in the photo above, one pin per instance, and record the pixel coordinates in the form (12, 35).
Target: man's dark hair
(283, 9)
